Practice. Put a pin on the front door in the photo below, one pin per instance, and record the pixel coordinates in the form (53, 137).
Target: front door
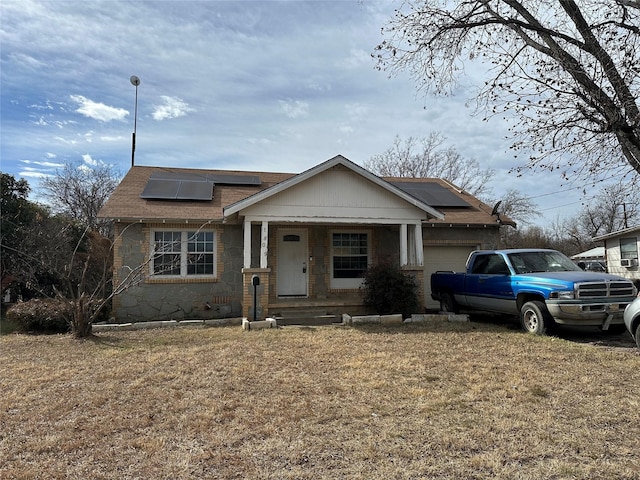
(292, 263)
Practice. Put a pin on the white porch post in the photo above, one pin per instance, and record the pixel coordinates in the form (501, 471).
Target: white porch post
(418, 243)
(247, 244)
(264, 244)
(404, 258)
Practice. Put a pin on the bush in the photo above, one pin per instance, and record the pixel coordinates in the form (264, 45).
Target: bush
(42, 315)
(388, 290)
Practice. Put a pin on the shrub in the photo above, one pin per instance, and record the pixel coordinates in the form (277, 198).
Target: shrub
(43, 315)
(388, 290)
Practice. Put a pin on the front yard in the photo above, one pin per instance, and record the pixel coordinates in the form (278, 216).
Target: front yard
(438, 400)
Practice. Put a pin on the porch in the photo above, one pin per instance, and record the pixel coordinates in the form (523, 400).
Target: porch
(313, 272)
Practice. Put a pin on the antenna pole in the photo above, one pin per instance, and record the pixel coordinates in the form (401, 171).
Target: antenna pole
(135, 81)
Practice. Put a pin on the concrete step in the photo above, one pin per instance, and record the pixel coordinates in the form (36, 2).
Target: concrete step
(306, 319)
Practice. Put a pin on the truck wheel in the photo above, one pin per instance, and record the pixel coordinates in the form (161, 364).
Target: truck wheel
(535, 318)
(448, 303)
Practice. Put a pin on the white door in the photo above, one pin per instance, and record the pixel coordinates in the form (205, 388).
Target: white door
(292, 263)
(442, 258)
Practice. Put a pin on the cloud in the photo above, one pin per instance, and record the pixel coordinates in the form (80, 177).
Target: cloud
(294, 108)
(42, 164)
(172, 107)
(319, 87)
(86, 158)
(357, 58)
(46, 106)
(98, 111)
(26, 60)
(357, 111)
(111, 138)
(33, 173)
(65, 141)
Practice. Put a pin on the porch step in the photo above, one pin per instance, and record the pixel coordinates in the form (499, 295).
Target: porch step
(306, 317)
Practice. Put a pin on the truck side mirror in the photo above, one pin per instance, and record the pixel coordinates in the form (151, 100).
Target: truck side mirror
(255, 280)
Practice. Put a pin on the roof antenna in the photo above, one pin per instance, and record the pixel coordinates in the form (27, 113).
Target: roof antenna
(135, 81)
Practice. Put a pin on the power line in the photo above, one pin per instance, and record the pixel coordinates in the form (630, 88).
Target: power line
(560, 206)
(568, 189)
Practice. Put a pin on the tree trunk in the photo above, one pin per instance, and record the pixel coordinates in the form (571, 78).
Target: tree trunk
(80, 323)
(630, 144)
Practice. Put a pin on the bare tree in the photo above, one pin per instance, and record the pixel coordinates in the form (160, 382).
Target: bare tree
(79, 192)
(529, 237)
(612, 208)
(565, 73)
(518, 207)
(615, 207)
(92, 287)
(97, 285)
(426, 157)
(523, 211)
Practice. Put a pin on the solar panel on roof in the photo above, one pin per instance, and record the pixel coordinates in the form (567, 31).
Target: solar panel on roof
(220, 179)
(431, 193)
(235, 179)
(195, 191)
(166, 185)
(179, 187)
(193, 177)
(156, 188)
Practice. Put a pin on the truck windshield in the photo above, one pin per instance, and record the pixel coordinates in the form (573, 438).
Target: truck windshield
(528, 262)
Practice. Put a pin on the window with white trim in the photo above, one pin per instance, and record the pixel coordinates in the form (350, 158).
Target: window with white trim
(629, 248)
(183, 254)
(350, 254)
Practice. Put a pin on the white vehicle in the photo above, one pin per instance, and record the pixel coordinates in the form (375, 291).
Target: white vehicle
(632, 319)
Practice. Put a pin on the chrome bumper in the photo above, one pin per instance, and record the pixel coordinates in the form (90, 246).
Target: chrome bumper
(596, 314)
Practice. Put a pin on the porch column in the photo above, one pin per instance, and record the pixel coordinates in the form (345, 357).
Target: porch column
(247, 244)
(419, 248)
(404, 257)
(264, 244)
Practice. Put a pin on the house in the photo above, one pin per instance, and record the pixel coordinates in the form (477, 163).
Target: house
(621, 252)
(204, 237)
(595, 254)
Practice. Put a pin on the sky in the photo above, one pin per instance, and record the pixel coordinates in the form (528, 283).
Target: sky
(277, 86)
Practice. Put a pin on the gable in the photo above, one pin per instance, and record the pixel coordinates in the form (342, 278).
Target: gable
(336, 194)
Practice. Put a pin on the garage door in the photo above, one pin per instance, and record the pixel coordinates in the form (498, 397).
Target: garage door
(442, 258)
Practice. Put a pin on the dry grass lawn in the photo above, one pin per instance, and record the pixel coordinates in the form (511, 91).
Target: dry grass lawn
(431, 401)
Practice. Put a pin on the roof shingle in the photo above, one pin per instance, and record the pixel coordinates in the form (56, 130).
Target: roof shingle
(127, 205)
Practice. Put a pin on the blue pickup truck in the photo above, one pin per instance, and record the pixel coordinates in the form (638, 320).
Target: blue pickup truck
(543, 287)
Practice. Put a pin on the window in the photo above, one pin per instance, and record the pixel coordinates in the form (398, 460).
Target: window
(183, 254)
(629, 248)
(349, 259)
(490, 265)
(542, 261)
(167, 246)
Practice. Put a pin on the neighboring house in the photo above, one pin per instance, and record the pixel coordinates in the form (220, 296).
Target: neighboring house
(203, 235)
(595, 254)
(622, 250)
